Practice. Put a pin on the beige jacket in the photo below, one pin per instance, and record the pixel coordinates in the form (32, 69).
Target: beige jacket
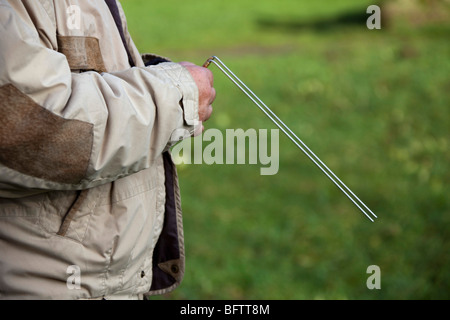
(89, 198)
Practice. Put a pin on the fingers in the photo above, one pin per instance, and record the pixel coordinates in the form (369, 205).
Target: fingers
(197, 71)
(212, 95)
(210, 76)
(204, 80)
(205, 113)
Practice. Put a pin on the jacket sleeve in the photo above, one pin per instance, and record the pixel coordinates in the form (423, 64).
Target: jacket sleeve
(69, 131)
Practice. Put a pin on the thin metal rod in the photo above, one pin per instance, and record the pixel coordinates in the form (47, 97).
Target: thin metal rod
(288, 132)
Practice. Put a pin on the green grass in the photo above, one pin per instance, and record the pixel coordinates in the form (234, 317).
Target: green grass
(372, 104)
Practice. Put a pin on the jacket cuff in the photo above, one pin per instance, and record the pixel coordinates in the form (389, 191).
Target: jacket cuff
(183, 80)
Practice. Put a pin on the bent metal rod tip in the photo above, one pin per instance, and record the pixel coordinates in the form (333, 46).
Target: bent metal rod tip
(208, 62)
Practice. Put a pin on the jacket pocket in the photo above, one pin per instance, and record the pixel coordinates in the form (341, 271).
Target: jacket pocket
(67, 213)
(72, 212)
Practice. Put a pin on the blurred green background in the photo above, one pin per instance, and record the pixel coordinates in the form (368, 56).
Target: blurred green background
(372, 104)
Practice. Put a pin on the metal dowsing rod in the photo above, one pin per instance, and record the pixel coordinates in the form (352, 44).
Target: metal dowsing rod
(291, 135)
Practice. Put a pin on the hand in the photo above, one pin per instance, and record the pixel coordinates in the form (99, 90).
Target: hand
(204, 79)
